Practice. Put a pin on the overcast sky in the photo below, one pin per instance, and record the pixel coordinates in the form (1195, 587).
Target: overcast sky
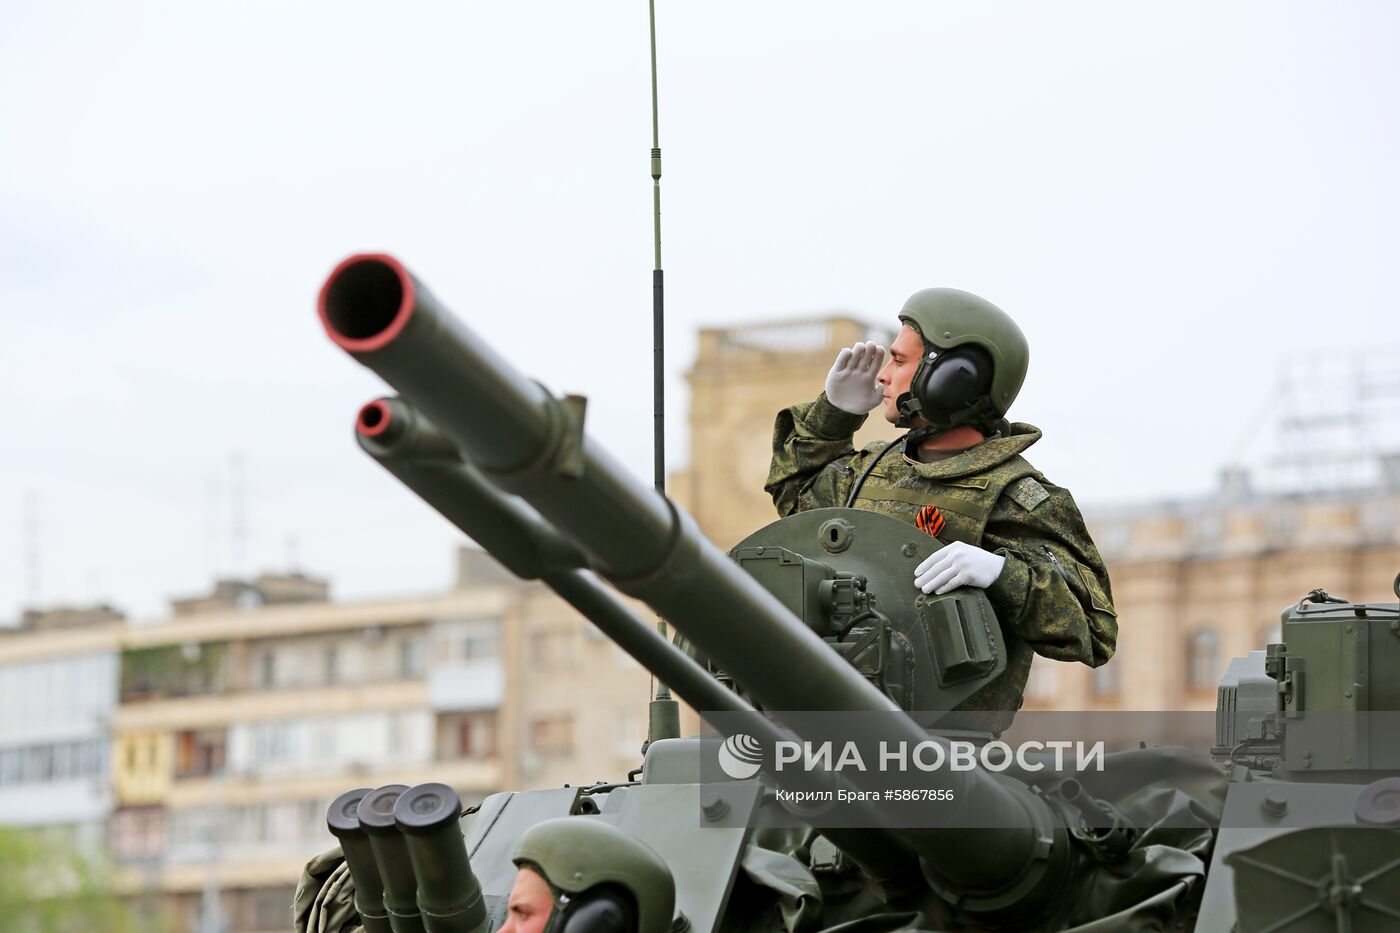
(1171, 198)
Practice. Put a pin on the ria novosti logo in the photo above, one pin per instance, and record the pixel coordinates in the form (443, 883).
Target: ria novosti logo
(740, 756)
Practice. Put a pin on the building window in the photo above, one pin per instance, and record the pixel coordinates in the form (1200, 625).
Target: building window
(200, 753)
(1044, 681)
(268, 669)
(41, 763)
(466, 735)
(1105, 683)
(83, 759)
(1203, 659)
(274, 742)
(138, 833)
(1113, 539)
(1379, 521)
(1281, 527)
(539, 649)
(553, 736)
(11, 766)
(629, 732)
(1206, 529)
(411, 657)
(465, 641)
(551, 649)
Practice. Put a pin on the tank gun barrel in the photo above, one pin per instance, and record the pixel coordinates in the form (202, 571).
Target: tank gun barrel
(533, 445)
(412, 448)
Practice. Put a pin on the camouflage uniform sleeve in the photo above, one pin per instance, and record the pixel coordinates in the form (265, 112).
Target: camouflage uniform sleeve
(1054, 590)
(325, 897)
(813, 444)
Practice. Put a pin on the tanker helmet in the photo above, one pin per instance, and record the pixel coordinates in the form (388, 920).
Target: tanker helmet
(974, 359)
(604, 880)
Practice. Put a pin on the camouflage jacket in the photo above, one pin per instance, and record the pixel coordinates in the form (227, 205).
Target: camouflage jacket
(1052, 597)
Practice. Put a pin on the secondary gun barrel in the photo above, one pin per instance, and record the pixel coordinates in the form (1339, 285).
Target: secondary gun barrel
(449, 896)
(412, 448)
(415, 451)
(533, 444)
(376, 812)
(342, 819)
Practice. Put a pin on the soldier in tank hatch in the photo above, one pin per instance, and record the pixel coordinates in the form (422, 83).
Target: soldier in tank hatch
(582, 875)
(950, 377)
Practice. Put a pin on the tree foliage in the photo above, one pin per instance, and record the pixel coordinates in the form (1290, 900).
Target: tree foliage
(48, 888)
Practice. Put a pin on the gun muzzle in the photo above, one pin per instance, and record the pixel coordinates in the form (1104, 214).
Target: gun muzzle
(343, 820)
(449, 896)
(376, 813)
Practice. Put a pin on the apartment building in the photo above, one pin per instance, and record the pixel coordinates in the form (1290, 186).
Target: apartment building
(245, 714)
(58, 674)
(201, 751)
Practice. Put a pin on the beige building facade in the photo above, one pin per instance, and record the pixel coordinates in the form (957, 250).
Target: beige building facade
(741, 378)
(1201, 581)
(1195, 582)
(220, 736)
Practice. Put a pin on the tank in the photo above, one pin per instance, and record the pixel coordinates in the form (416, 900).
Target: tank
(809, 625)
(1307, 728)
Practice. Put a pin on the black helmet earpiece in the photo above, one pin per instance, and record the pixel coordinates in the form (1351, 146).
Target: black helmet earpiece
(952, 381)
(603, 909)
(947, 387)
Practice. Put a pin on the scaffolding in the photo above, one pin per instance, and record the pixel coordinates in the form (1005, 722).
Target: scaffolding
(1333, 423)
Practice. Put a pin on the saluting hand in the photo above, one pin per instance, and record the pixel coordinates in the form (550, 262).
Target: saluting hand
(958, 564)
(851, 385)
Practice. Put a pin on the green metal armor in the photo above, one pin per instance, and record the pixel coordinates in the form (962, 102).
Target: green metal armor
(577, 855)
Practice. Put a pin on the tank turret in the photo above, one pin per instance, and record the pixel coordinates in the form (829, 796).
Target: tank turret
(1310, 730)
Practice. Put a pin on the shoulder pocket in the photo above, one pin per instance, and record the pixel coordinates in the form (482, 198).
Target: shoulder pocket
(1027, 493)
(1097, 597)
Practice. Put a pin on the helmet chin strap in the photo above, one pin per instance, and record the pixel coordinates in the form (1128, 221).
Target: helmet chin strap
(909, 409)
(979, 412)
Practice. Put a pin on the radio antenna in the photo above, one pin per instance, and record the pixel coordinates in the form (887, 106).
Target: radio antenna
(663, 713)
(658, 301)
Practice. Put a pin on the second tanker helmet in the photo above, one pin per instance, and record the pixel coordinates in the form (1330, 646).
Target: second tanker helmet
(973, 362)
(604, 880)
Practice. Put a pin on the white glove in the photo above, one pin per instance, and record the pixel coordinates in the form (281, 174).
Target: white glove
(851, 385)
(958, 564)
